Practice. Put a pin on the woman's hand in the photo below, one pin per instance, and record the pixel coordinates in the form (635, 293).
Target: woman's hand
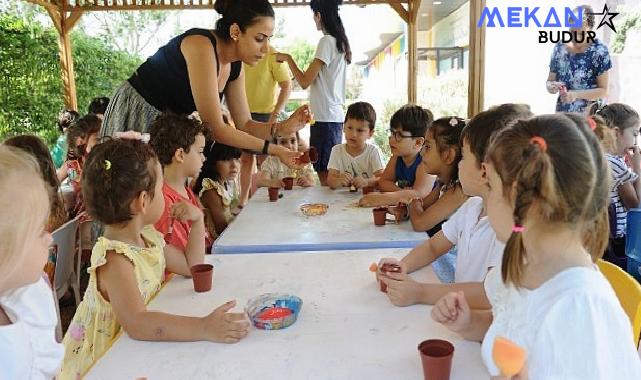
(297, 121)
(286, 156)
(553, 87)
(453, 312)
(568, 96)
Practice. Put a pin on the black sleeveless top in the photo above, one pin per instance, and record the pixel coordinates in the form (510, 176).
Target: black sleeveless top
(163, 80)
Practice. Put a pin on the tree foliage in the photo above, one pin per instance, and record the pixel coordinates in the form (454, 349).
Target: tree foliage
(31, 94)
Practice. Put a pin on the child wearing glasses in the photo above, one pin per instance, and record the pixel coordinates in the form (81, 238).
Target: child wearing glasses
(403, 178)
(273, 170)
(356, 163)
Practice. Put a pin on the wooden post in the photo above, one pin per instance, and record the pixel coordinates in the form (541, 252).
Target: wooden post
(64, 24)
(412, 49)
(476, 78)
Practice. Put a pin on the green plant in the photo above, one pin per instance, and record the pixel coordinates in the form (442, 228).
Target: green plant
(445, 95)
(631, 20)
(381, 131)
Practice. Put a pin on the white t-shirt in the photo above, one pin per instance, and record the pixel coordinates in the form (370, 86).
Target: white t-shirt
(477, 247)
(28, 347)
(572, 327)
(277, 170)
(327, 91)
(370, 161)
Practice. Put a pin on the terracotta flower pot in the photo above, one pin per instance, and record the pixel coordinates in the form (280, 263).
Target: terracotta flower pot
(288, 182)
(379, 215)
(273, 193)
(309, 156)
(436, 356)
(388, 268)
(202, 275)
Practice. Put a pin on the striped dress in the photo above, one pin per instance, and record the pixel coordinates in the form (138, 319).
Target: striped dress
(621, 174)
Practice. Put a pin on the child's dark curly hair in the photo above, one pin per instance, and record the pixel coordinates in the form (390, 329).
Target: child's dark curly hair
(214, 152)
(446, 132)
(81, 129)
(114, 174)
(413, 119)
(170, 132)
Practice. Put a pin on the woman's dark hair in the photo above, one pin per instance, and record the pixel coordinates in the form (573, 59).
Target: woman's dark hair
(81, 129)
(115, 173)
(241, 12)
(332, 24)
(617, 115)
(214, 152)
(66, 118)
(588, 15)
(98, 105)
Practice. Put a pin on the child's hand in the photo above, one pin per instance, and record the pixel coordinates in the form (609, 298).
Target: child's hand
(634, 157)
(225, 327)
(372, 200)
(402, 290)
(359, 182)
(276, 183)
(185, 211)
(400, 212)
(304, 182)
(416, 204)
(346, 179)
(389, 260)
(453, 312)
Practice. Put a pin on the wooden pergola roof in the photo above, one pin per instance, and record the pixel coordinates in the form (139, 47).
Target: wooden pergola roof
(65, 14)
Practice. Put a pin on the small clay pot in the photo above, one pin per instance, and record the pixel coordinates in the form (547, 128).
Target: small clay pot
(436, 357)
(273, 193)
(288, 182)
(368, 189)
(388, 268)
(202, 275)
(379, 215)
(309, 156)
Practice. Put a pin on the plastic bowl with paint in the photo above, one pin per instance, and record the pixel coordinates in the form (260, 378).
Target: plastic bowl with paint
(273, 311)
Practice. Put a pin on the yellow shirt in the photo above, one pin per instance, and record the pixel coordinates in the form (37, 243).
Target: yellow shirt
(261, 81)
(94, 326)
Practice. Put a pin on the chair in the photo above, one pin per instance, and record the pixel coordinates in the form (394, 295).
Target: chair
(65, 243)
(628, 292)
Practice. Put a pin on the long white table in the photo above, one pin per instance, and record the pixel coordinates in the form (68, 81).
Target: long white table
(346, 329)
(265, 226)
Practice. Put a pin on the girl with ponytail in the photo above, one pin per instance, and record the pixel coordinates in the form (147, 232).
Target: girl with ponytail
(548, 196)
(326, 77)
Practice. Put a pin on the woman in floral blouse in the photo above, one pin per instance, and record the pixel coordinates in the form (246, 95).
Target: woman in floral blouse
(579, 70)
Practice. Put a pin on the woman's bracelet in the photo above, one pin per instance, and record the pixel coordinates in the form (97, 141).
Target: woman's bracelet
(266, 147)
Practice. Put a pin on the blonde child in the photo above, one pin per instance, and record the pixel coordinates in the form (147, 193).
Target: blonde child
(403, 179)
(441, 155)
(625, 192)
(28, 348)
(548, 296)
(122, 184)
(272, 170)
(179, 142)
(217, 186)
(356, 162)
(468, 229)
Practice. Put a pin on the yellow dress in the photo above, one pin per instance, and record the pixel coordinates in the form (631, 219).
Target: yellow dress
(94, 326)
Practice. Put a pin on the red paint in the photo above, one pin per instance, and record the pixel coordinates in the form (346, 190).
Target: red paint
(275, 313)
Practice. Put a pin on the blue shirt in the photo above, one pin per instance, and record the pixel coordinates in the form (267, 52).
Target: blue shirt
(579, 71)
(406, 175)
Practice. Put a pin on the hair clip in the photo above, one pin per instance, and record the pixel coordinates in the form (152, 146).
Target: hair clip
(540, 141)
(107, 164)
(517, 228)
(591, 123)
(453, 122)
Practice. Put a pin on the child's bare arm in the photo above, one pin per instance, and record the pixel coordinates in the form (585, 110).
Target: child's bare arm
(387, 180)
(214, 203)
(438, 211)
(423, 183)
(425, 253)
(629, 193)
(117, 283)
(62, 173)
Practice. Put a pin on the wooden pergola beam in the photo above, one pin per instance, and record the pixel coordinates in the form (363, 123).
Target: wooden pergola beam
(412, 50)
(476, 79)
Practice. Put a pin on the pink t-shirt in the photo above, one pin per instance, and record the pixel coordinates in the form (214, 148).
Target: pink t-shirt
(180, 232)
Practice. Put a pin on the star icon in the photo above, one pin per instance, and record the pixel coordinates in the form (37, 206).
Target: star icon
(607, 18)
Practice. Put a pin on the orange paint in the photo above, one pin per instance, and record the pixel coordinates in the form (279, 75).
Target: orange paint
(373, 267)
(274, 313)
(508, 356)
